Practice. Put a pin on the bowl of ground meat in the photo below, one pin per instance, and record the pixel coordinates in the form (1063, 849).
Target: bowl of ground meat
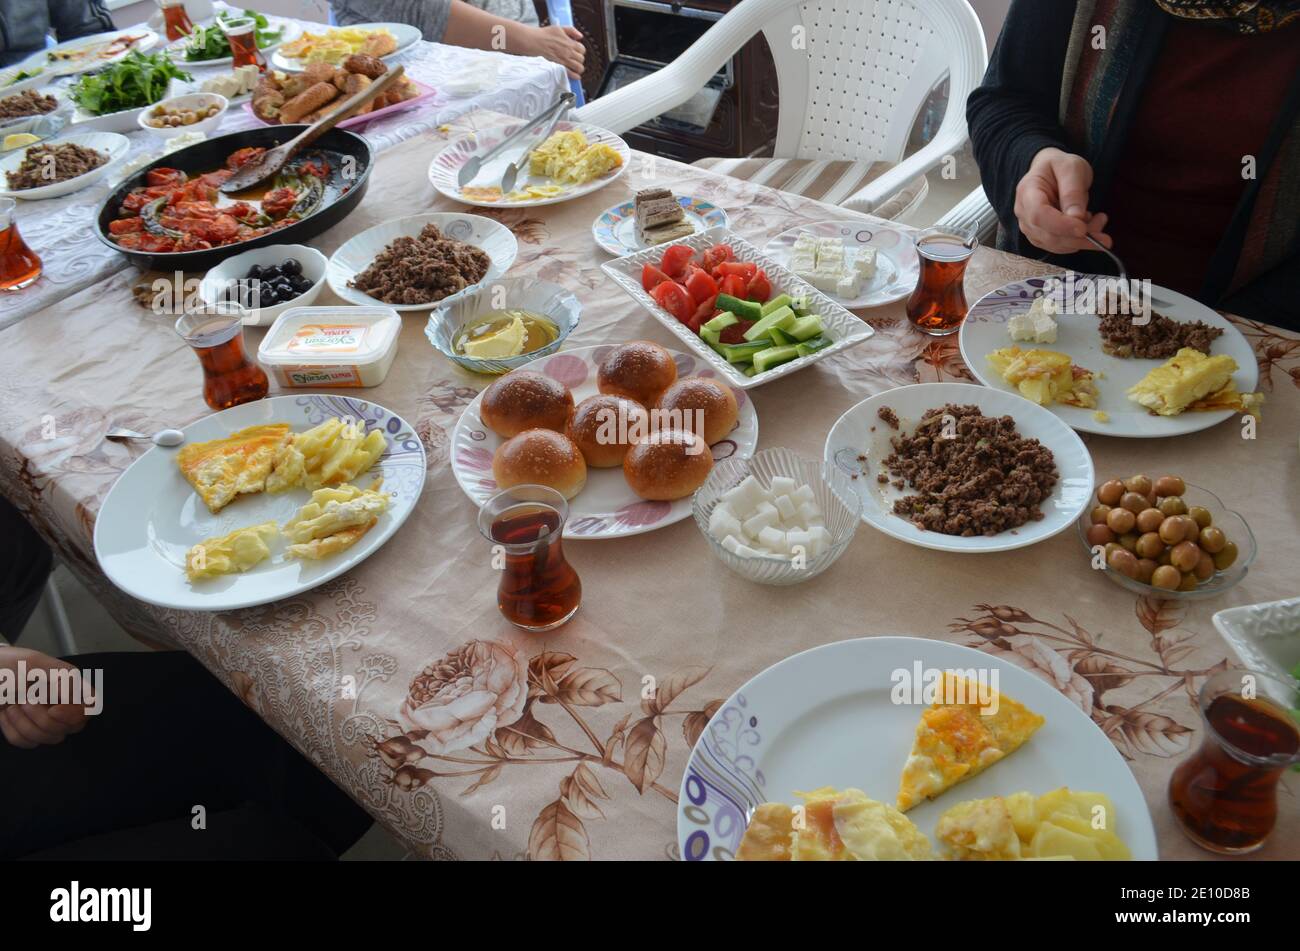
(959, 467)
(59, 166)
(422, 261)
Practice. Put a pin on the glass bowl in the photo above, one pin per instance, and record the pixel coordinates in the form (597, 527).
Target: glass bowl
(841, 507)
(1233, 525)
(549, 300)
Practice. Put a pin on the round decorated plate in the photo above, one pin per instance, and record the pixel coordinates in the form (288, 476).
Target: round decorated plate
(615, 229)
(828, 717)
(897, 266)
(606, 507)
(985, 330)
(152, 517)
(860, 441)
(404, 34)
(91, 52)
(109, 144)
(289, 30)
(495, 239)
(447, 164)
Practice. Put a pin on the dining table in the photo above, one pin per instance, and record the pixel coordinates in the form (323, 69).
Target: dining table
(62, 230)
(469, 738)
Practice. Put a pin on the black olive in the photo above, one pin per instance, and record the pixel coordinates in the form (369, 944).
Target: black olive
(291, 266)
(255, 272)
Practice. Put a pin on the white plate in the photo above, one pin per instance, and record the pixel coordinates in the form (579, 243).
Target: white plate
(825, 718)
(606, 507)
(7, 87)
(405, 35)
(63, 106)
(290, 31)
(984, 331)
(148, 39)
(110, 143)
(853, 435)
(447, 164)
(355, 256)
(841, 326)
(897, 266)
(1265, 636)
(152, 517)
(615, 230)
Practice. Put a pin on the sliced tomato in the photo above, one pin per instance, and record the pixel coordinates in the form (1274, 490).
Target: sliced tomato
(675, 260)
(673, 298)
(736, 332)
(703, 314)
(734, 286)
(700, 286)
(745, 269)
(652, 277)
(759, 287)
(716, 255)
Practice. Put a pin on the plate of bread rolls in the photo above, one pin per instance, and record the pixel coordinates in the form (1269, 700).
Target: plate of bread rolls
(626, 433)
(289, 98)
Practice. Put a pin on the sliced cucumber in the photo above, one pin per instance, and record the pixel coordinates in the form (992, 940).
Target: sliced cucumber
(744, 309)
(773, 356)
(740, 352)
(751, 370)
(780, 338)
(781, 319)
(721, 322)
(777, 302)
(812, 346)
(805, 328)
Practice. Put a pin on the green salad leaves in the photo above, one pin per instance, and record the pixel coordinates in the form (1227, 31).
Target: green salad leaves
(209, 42)
(134, 81)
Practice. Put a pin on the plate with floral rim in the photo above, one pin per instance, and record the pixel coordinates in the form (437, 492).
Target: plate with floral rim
(606, 507)
(615, 230)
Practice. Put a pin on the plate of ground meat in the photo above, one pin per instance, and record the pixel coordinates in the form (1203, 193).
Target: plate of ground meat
(417, 262)
(960, 467)
(1115, 347)
(59, 166)
(14, 107)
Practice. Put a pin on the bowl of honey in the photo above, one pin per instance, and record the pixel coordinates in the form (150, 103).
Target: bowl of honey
(504, 325)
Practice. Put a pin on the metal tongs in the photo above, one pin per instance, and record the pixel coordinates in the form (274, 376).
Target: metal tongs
(470, 169)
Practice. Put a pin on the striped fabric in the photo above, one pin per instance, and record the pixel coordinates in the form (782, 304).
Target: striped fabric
(824, 180)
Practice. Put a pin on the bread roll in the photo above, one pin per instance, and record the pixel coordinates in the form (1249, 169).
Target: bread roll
(604, 427)
(523, 400)
(540, 457)
(715, 400)
(639, 370)
(668, 464)
(307, 102)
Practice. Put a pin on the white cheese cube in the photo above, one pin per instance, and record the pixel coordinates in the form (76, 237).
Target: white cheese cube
(785, 505)
(744, 497)
(774, 540)
(830, 253)
(804, 494)
(731, 543)
(850, 285)
(766, 517)
(723, 522)
(864, 263)
(1035, 325)
(782, 485)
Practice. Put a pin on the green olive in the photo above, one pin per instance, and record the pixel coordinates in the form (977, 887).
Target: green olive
(1201, 515)
(1224, 558)
(1146, 568)
(1099, 535)
(1167, 577)
(1170, 485)
(1124, 562)
(1099, 513)
(1172, 530)
(1188, 582)
(1141, 484)
(1184, 556)
(1173, 505)
(1148, 520)
(1121, 521)
(1129, 541)
(1213, 540)
(1134, 501)
(1110, 492)
(1149, 545)
(1204, 569)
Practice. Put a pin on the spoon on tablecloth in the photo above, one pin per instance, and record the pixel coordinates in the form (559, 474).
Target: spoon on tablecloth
(164, 437)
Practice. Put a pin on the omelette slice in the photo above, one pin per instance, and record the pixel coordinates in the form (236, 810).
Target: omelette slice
(230, 554)
(222, 469)
(955, 741)
(769, 834)
(832, 825)
(334, 520)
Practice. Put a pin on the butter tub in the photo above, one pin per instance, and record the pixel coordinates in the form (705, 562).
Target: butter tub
(331, 346)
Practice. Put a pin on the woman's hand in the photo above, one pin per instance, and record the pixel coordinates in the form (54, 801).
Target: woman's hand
(29, 725)
(1052, 204)
(559, 44)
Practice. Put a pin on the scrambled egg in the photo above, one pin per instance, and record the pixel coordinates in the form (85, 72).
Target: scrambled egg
(1045, 376)
(568, 157)
(1191, 380)
(337, 44)
(221, 469)
(334, 520)
(832, 826)
(1057, 825)
(230, 554)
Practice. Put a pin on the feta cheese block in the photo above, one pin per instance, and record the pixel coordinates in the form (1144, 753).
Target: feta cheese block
(782, 520)
(1037, 324)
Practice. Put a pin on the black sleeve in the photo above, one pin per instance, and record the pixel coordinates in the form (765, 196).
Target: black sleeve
(73, 18)
(1015, 112)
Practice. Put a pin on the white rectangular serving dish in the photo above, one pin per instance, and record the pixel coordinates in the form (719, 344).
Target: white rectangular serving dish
(1265, 636)
(843, 327)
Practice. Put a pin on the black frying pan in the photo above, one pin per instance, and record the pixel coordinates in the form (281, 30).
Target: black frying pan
(211, 154)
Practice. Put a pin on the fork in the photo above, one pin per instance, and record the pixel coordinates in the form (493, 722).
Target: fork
(1123, 272)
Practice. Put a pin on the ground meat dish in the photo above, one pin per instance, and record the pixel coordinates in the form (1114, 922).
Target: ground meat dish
(887, 414)
(29, 102)
(423, 269)
(1158, 339)
(977, 477)
(48, 164)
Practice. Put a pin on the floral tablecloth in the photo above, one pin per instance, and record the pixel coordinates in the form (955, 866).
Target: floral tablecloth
(467, 737)
(62, 230)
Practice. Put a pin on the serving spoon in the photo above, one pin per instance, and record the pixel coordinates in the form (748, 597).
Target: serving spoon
(271, 161)
(512, 170)
(164, 437)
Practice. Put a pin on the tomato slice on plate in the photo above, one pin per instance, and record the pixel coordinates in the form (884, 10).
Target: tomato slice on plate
(703, 314)
(759, 287)
(745, 269)
(652, 277)
(700, 286)
(675, 260)
(733, 285)
(673, 298)
(716, 255)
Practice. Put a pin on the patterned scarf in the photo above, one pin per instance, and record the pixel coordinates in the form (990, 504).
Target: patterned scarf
(1094, 81)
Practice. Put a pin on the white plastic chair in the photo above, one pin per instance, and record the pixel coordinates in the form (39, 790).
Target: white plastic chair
(852, 76)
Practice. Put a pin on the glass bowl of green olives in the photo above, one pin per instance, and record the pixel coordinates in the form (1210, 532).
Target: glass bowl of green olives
(1166, 538)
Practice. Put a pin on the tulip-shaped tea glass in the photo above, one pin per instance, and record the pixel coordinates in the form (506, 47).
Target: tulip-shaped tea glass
(539, 590)
(938, 305)
(217, 336)
(1225, 795)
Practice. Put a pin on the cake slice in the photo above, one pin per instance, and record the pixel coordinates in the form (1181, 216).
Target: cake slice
(659, 217)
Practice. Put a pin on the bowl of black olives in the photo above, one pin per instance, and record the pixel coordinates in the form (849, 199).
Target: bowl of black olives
(265, 282)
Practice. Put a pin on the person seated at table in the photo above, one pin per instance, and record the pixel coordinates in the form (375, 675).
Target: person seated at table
(168, 741)
(457, 23)
(1167, 129)
(25, 23)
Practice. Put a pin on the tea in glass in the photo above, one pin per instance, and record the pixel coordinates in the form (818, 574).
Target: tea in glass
(19, 265)
(538, 590)
(176, 19)
(217, 336)
(242, 34)
(938, 305)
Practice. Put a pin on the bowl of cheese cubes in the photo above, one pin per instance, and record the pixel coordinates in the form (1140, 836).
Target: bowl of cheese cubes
(777, 518)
